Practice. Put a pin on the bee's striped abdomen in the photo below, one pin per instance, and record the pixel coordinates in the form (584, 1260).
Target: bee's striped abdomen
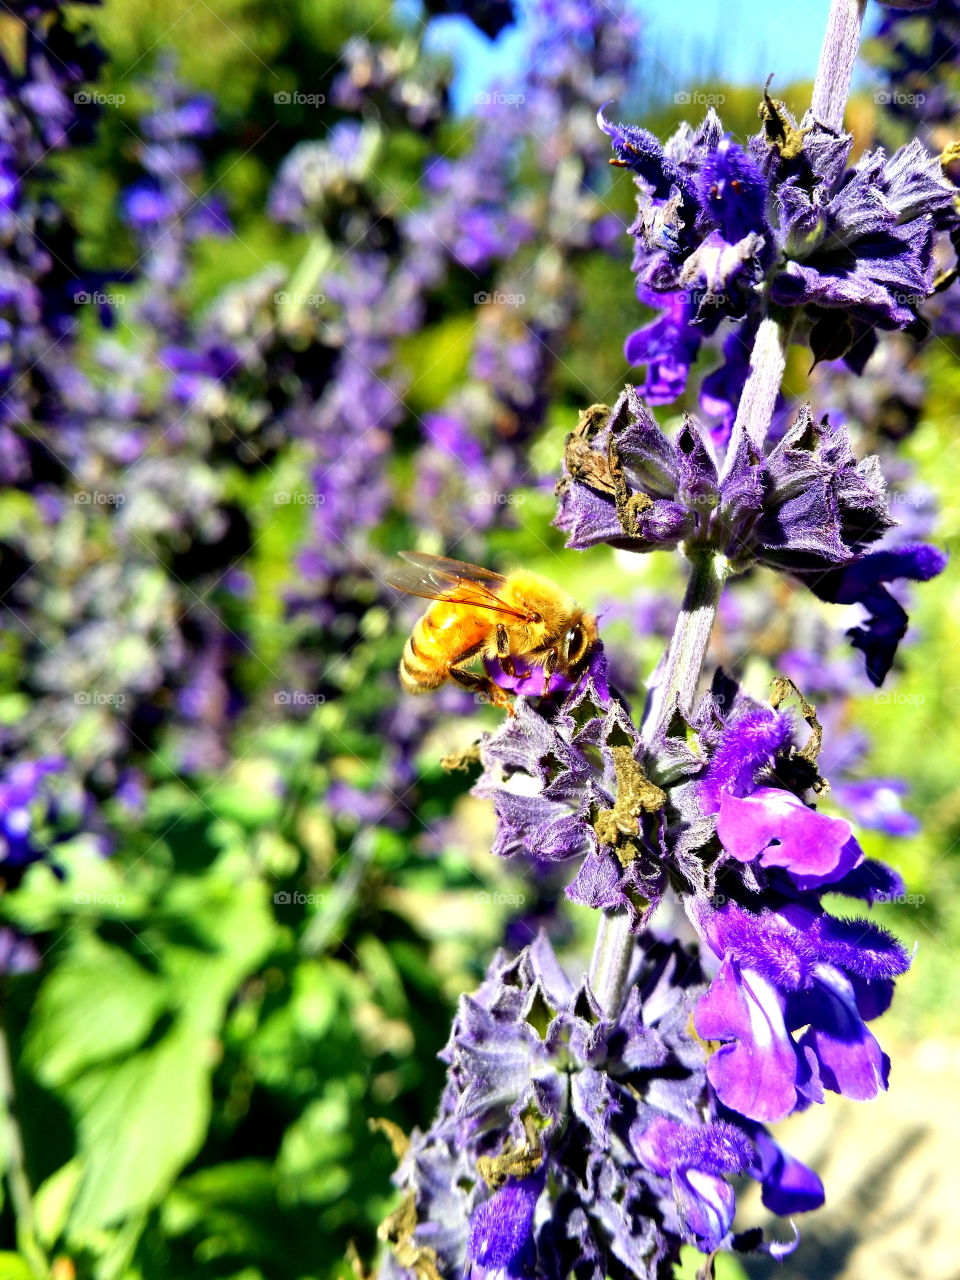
(423, 666)
(445, 635)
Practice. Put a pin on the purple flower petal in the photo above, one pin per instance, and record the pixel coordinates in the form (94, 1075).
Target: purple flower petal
(599, 883)
(863, 582)
(695, 1159)
(500, 1229)
(734, 191)
(850, 1060)
(877, 803)
(777, 828)
(746, 744)
(788, 1185)
(754, 1072)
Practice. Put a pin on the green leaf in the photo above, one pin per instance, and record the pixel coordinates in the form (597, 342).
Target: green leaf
(379, 966)
(141, 1119)
(692, 1261)
(51, 1202)
(14, 1267)
(85, 884)
(139, 1123)
(226, 1199)
(99, 1003)
(249, 793)
(231, 930)
(438, 357)
(314, 1003)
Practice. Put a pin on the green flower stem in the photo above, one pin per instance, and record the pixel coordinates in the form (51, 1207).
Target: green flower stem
(768, 360)
(613, 949)
(21, 1197)
(838, 53)
(610, 964)
(690, 640)
(304, 283)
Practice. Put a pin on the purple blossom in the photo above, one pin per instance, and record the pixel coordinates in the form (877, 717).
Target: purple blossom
(501, 1229)
(877, 803)
(865, 583)
(783, 221)
(412, 88)
(24, 790)
(318, 175)
(186, 116)
(783, 969)
(808, 507)
(785, 963)
(146, 204)
(776, 829)
(41, 805)
(17, 953)
(168, 209)
(668, 346)
(549, 777)
(44, 109)
(565, 1139)
(695, 1158)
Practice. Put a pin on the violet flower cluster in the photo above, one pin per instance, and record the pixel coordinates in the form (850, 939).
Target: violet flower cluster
(808, 508)
(616, 1114)
(784, 225)
(585, 1130)
(915, 53)
(44, 110)
(717, 810)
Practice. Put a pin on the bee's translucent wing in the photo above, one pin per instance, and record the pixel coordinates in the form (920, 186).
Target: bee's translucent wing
(455, 581)
(443, 568)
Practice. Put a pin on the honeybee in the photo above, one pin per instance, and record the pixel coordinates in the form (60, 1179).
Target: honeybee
(479, 613)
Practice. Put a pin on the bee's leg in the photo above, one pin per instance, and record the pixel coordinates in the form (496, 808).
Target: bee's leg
(503, 650)
(481, 685)
(550, 664)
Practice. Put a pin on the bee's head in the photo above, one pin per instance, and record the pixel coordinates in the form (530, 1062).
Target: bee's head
(577, 641)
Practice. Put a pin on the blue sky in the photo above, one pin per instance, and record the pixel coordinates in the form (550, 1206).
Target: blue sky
(741, 41)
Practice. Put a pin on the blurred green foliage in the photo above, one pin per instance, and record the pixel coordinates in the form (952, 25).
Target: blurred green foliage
(226, 1002)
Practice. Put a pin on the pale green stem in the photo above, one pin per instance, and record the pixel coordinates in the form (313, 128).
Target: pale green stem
(838, 53)
(690, 640)
(294, 302)
(610, 964)
(613, 950)
(768, 360)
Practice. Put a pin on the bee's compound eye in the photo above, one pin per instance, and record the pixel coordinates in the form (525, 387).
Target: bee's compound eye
(573, 642)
